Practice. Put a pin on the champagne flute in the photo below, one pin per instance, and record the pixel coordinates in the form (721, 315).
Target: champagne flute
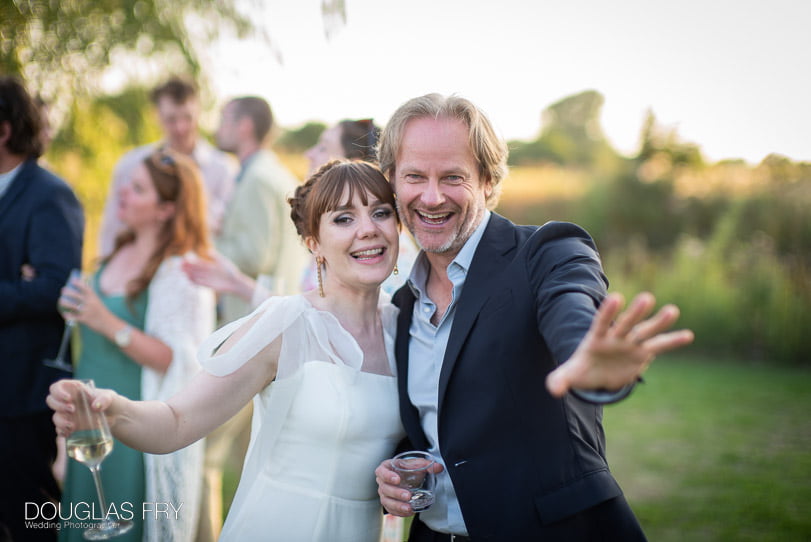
(89, 443)
(59, 362)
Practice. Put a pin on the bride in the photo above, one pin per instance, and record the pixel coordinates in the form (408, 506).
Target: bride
(319, 367)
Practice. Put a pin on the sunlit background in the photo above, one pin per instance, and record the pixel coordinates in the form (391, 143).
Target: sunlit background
(676, 133)
(730, 75)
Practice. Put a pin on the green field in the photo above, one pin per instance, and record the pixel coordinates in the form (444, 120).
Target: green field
(714, 450)
(710, 450)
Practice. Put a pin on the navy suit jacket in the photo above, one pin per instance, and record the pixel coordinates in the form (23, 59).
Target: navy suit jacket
(41, 224)
(519, 459)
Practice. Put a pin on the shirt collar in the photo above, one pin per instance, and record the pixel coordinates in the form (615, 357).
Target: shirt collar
(419, 272)
(8, 177)
(201, 153)
(246, 163)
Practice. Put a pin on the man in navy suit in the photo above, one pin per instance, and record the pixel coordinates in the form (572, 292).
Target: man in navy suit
(41, 226)
(491, 312)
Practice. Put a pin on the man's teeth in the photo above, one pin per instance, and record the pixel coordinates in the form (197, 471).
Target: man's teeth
(368, 253)
(434, 217)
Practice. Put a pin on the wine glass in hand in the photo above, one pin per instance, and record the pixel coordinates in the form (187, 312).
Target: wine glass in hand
(89, 443)
(59, 362)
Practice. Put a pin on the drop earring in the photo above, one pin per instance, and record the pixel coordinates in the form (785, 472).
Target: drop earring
(319, 261)
(395, 271)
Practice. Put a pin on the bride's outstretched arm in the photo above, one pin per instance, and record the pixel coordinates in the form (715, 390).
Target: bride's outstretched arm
(160, 427)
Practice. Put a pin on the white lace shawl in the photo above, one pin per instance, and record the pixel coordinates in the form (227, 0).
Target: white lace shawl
(181, 314)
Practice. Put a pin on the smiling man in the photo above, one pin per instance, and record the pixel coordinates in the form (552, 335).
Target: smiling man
(491, 313)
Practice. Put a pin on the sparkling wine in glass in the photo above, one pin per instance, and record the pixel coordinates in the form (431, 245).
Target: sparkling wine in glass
(89, 443)
(59, 362)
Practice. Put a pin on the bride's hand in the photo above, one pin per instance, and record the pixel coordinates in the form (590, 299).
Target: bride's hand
(59, 400)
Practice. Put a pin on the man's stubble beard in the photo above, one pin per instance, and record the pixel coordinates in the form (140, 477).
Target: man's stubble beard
(461, 233)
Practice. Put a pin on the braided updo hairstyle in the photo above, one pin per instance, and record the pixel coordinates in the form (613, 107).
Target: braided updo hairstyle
(324, 192)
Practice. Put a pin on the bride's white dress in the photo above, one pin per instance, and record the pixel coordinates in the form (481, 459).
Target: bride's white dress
(318, 432)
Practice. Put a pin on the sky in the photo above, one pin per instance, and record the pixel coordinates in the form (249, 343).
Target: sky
(731, 76)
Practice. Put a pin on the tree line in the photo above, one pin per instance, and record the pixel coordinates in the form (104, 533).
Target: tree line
(730, 243)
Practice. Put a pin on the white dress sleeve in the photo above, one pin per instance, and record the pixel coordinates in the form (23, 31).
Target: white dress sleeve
(307, 335)
(180, 314)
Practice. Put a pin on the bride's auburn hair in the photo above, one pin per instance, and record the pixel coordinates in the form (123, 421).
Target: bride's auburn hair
(324, 191)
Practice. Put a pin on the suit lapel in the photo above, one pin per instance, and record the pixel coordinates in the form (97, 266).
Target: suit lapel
(489, 260)
(404, 299)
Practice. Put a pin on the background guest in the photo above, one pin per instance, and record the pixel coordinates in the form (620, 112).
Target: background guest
(257, 234)
(357, 140)
(41, 229)
(141, 322)
(177, 103)
(259, 238)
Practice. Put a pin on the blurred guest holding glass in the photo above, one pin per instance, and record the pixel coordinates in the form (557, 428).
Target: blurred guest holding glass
(41, 229)
(141, 322)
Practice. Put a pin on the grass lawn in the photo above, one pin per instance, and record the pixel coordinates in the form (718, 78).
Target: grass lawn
(714, 450)
(710, 450)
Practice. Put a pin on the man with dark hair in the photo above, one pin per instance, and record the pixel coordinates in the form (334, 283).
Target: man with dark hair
(257, 234)
(178, 89)
(178, 106)
(41, 227)
(260, 239)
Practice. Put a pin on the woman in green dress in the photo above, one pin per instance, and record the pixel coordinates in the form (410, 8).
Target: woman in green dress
(141, 323)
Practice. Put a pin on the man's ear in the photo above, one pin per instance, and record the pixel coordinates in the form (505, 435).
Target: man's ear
(488, 187)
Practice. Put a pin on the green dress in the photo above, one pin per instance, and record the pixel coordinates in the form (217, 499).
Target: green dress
(122, 472)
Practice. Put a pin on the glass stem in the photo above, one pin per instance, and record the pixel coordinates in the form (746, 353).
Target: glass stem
(65, 337)
(96, 472)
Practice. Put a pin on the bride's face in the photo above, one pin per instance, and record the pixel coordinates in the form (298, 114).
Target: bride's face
(358, 242)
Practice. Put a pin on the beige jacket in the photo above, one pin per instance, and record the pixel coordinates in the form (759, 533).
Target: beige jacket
(257, 233)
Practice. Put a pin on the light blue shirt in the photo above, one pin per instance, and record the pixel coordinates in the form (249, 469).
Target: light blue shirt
(426, 351)
(7, 178)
